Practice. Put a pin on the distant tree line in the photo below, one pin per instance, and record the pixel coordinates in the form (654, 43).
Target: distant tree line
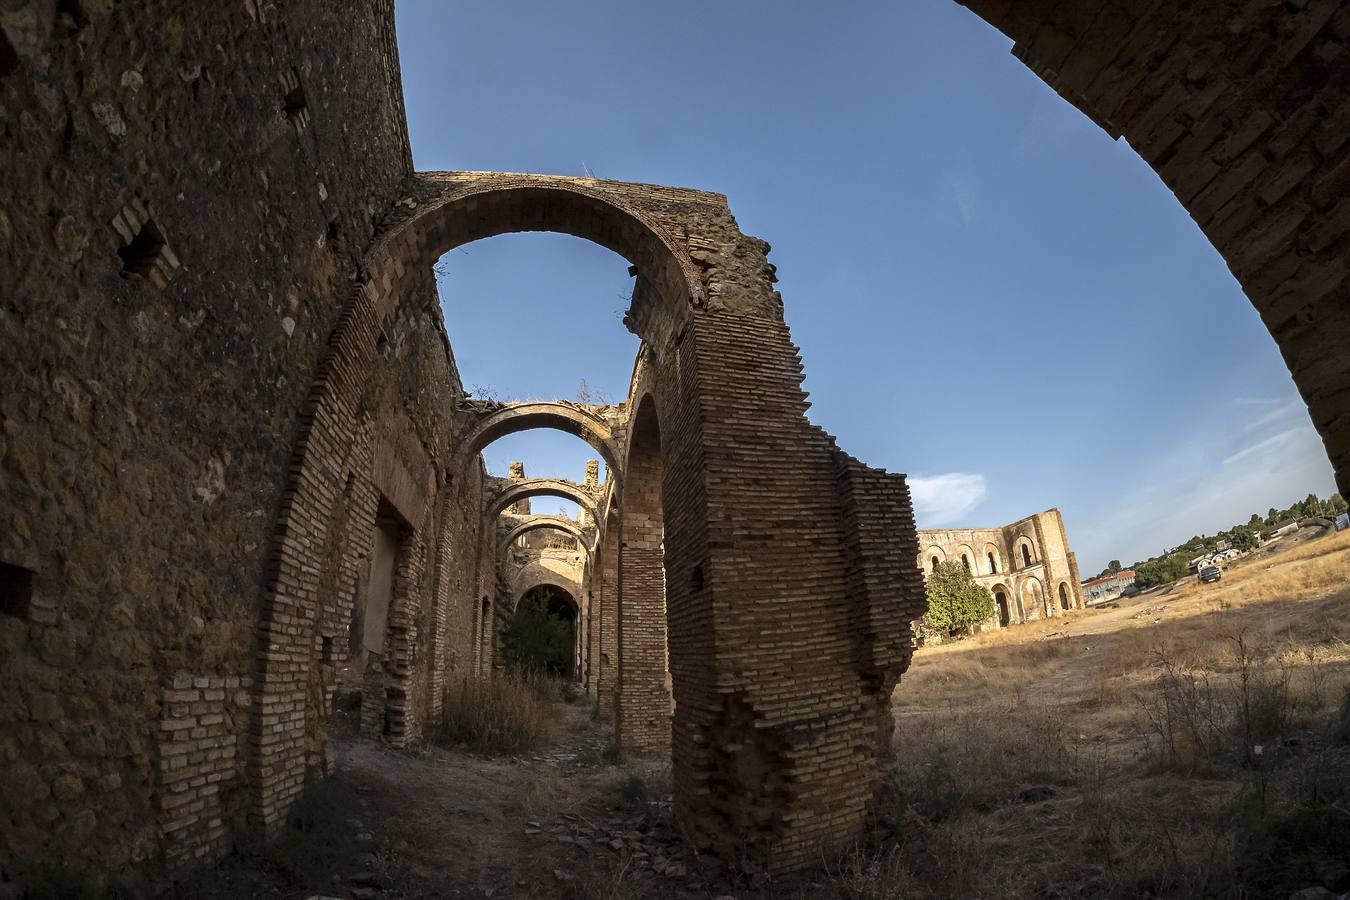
(1175, 563)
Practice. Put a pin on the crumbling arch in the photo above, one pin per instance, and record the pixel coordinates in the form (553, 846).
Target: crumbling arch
(534, 523)
(716, 339)
(584, 422)
(1065, 596)
(450, 209)
(526, 488)
(539, 572)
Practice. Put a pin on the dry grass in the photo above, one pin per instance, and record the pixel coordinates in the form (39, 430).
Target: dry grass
(1190, 743)
(503, 713)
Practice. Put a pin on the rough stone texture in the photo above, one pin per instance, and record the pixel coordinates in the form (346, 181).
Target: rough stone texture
(222, 329)
(1243, 109)
(151, 396)
(1027, 565)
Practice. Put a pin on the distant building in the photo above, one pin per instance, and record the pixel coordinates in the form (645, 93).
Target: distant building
(1027, 565)
(1099, 590)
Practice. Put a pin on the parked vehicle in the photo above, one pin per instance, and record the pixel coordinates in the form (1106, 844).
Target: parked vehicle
(1209, 573)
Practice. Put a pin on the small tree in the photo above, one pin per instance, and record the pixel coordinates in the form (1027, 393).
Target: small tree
(1245, 538)
(538, 640)
(955, 601)
(1113, 566)
(1338, 504)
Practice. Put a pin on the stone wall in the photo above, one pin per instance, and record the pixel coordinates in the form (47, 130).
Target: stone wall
(185, 201)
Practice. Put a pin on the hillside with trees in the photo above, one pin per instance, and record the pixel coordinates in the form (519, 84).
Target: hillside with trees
(1173, 564)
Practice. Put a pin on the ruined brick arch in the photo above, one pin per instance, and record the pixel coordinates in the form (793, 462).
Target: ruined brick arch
(932, 553)
(536, 575)
(966, 554)
(526, 488)
(1065, 596)
(512, 418)
(1240, 108)
(450, 209)
(712, 323)
(555, 523)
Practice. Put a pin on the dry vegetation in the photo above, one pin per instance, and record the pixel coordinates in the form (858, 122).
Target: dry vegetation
(1191, 742)
(510, 713)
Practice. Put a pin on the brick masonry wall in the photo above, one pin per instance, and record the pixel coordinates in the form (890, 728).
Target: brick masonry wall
(161, 385)
(642, 708)
(1243, 110)
(768, 753)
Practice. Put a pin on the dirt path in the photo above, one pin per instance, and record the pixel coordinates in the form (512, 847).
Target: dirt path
(452, 824)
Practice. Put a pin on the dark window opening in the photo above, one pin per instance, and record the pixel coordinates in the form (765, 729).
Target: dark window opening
(327, 648)
(294, 105)
(935, 563)
(965, 561)
(993, 566)
(1026, 555)
(334, 233)
(9, 59)
(142, 254)
(16, 591)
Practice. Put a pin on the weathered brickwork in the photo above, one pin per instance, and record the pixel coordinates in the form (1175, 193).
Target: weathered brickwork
(1027, 566)
(1243, 109)
(200, 763)
(175, 248)
(221, 326)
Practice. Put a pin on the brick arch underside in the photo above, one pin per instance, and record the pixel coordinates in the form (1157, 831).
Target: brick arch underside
(555, 524)
(539, 487)
(557, 416)
(1243, 110)
(288, 635)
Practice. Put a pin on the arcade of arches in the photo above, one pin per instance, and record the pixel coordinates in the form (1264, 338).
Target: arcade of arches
(223, 327)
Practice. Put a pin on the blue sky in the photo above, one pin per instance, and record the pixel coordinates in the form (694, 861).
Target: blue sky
(991, 296)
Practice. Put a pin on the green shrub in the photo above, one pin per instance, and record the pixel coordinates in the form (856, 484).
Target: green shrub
(955, 601)
(538, 640)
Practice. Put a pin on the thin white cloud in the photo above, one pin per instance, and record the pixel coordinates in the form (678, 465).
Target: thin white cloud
(1270, 443)
(1203, 498)
(943, 499)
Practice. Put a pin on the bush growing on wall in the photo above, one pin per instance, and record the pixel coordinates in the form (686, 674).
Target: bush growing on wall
(955, 601)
